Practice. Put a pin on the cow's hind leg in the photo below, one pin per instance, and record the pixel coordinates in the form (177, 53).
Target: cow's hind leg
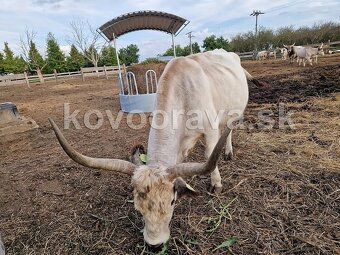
(211, 140)
(310, 60)
(228, 148)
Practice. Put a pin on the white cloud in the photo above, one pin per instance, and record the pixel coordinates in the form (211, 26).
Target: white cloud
(65, 49)
(223, 17)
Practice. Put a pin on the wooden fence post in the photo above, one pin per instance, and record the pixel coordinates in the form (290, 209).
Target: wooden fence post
(27, 81)
(55, 75)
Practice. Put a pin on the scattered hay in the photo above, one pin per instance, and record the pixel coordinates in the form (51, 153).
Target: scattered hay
(283, 183)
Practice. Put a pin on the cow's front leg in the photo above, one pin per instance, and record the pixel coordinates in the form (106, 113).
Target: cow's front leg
(211, 140)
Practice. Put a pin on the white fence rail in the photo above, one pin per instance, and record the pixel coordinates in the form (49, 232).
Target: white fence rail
(13, 79)
(99, 71)
(105, 71)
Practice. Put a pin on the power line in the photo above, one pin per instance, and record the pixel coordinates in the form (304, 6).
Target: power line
(286, 5)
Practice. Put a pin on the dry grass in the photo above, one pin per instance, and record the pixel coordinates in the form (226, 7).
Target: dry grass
(286, 188)
(281, 190)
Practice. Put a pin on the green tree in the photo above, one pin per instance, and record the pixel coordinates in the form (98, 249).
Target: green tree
(108, 56)
(243, 42)
(34, 57)
(11, 63)
(182, 51)
(75, 60)
(31, 55)
(20, 65)
(129, 55)
(170, 51)
(87, 40)
(265, 38)
(195, 49)
(186, 51)
(268, 38)
(55, 57)
(8, 59)
(2, 69)
(8, 52)
(212, 42)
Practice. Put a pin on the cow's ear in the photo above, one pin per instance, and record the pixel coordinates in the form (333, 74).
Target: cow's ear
(138, 155)
(183, 189)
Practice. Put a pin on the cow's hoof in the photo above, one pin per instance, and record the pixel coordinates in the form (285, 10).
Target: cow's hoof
(215, 189)
(228, 156)
(218, 190)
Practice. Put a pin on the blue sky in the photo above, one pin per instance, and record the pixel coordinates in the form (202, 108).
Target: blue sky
(222, 18)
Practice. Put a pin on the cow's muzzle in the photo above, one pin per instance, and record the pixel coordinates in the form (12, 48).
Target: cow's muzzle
(156, 247)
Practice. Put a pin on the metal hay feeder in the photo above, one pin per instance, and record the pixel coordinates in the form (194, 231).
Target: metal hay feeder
(131, 100)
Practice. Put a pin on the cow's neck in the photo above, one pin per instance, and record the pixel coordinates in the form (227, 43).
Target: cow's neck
(164, 143)
(163, 148)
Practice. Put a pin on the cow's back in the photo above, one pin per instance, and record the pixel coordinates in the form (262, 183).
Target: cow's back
(209, 80)
(300, 51)
(203, 84)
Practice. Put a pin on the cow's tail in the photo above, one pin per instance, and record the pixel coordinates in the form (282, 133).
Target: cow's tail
(255, 81)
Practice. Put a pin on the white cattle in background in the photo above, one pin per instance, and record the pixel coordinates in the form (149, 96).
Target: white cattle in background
(314, 52)
(290, 54)
(262, 55)
(272, 53)
(284, 53)
(304, 54)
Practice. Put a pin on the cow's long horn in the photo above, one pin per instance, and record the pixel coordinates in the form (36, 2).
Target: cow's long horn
(99, 163)
(191, 169)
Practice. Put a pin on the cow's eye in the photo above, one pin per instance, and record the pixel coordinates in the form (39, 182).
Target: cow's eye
(173, 201)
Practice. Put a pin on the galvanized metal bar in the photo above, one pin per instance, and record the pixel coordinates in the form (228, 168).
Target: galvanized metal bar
(121, 83)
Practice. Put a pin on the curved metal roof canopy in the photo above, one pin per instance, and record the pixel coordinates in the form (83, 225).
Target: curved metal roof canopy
(142, 20)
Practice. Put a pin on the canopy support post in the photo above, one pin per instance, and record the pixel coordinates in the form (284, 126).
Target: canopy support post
(173, 44)
(121, 86)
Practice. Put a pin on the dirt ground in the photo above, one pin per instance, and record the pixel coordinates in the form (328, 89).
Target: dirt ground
(281, 190)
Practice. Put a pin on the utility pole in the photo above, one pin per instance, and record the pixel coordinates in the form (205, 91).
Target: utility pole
(256, 14)
(190, 36)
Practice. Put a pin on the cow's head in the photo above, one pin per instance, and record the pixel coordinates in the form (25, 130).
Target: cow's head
(320, 50)
(155, 187)
(155, 192)
(290, 49)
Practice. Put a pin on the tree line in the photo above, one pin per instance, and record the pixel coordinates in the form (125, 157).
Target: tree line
(56, 60)
(86, 49)
(210, 43)
(269, 38)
